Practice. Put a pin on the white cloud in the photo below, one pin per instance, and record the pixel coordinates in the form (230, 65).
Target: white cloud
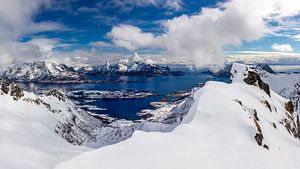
(132, 37)
(45, 44)
(15, 52)
(101, 44)
(16, 18)
(297, 37)
(282, 47)
(130, 4)
(16, 21)
(202, 37)
(254, 57)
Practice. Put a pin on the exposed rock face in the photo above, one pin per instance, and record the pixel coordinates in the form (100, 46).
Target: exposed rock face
(289, 106)
(259, 138)
(41, 72)
(15, 91)
(253, 78)
(56, 93)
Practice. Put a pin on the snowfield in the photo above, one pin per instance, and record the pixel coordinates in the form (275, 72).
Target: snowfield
(229, 126)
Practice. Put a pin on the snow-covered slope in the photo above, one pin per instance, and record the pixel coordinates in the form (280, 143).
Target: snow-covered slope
(41, 71)
(29, 127)
(238, 125)
(286, 85)
(37, 132)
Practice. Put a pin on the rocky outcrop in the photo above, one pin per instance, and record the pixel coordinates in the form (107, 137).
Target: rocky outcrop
(253, 78)
(12, 89)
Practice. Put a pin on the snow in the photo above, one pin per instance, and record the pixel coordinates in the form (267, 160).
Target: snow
(214, 127)
(27, 136)
(133, 68)
(218, 132)
(40, 71)
(37, 132)
(286, 85)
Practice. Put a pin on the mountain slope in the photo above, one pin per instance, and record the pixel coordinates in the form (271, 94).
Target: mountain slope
(28, 128)
(229, 126)
(286, 85)
(38, 131)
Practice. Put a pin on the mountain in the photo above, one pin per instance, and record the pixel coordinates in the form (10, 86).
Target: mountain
(41, 71)
(244, 124)
(135, 68)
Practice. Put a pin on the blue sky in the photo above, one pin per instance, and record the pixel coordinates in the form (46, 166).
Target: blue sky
(89, 21)
(197, 31)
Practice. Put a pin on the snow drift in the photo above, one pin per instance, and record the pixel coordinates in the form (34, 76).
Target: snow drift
(240, 125)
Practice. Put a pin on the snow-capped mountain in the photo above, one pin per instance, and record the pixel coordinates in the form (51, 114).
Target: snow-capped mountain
(135, 68)
(240, 125)
(41, 71)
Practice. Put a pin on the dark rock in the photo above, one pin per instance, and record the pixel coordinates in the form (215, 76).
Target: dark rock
(266, 147)
(56, 93)
(16, 92)
(268, 105)
(255, 115)
(259, 138)
(5, 87)
(289, 106)
(253, 78)
(274, 125)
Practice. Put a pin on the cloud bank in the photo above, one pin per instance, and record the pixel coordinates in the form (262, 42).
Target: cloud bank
(16, 21)
(203, 37)
(282, 47)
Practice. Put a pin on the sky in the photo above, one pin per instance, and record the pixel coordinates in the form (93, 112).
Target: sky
(201, 32)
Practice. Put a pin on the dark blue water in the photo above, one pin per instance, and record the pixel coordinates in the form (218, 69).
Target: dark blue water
(128, 108)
